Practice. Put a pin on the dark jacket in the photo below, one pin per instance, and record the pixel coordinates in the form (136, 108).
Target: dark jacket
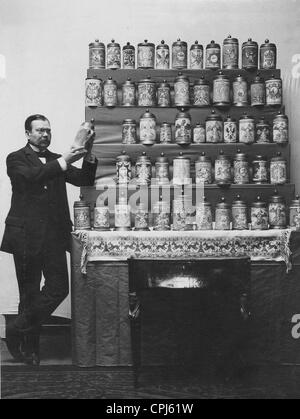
(39, 200)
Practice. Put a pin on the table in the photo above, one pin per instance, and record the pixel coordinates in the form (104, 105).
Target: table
(101, 327)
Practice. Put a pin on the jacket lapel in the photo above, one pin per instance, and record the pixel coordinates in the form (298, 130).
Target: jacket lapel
(33, 158)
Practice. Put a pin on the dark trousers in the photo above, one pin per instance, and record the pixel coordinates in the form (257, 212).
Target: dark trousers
(37, 304)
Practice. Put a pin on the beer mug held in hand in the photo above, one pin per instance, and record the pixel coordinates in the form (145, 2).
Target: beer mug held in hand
(83, 135)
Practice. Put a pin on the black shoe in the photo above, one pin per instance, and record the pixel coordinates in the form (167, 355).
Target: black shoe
(14, 340)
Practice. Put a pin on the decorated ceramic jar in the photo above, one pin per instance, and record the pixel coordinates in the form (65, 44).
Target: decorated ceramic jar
(213, 56)
(259, 215)
(182, 170)
(143, 170)
(122, 215)
(231, 53)
(165, 133)
(277, 212)
(183, 128)
(146, 55)
(179, 55)
(128, 93)
(204, 215)
(82, 215)
(221, 90)
(162, 170)
(163, 95)
(263, 132)
(93, 92)
(147, 92)
(223, 215)
(161, 216)
(214, 128)
(124, 169)
(250, 55)
(110, 93)
(162, 56)
(96, 55)
(241, 169)
(182, 90)
(196, 56)
(281, 128)
(230, 130)
(260, 170)
(258, 92)
(274, 91)
(240, 91)
(101, 218)
(179, 214)
(278, 170)
(199, 133)
(141, 218)
(129, 133)
(148, 128)
(295, 213)
(223, 169)
(113, 55)
(247, 129)
(268, 56)
(201, 93)
(204, 170)
(128, 57)
(239, 214)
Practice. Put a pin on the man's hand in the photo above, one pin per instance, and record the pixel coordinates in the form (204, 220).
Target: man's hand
(89, 146)
(74, 154)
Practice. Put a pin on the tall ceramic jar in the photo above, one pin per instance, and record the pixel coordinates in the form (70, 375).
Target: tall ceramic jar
(162, 56)
(182, 90)
(223, 215)
(141, 218)
(258, 92)
(82, 215)
(101, 217)
(274, 91)
(201, 96)
(213, 56)
(204, 170)
(183, 128)
(268, 56)
(277, 212)
(161, 216)
(93, 92)
(122, 215)
(247, 129)
(147, 92)
(182, 170)
(199, 133)
(196, 56)
(204, 215)
(221, 90)
(250, 55)
(260, 170)
(143, 170)
(240, 91)
(110, 93)
(179, 55)
(146, 55)
(259, 215)
(148, 128)
(295, 213)
(263, 131)
(96, 55)
(231, 53)
(241, 169)
(223, 174)
(129, 133)
(239, 214)
(281, 128)
(214, 128)
(278, 170)
(113, 55)
(124, 169)
(230, 130)
(163, 95)
(128, 57)
(165, 133)
(162, 170)
(128, 93)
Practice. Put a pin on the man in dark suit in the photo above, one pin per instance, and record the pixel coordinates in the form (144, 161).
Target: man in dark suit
(38, 229)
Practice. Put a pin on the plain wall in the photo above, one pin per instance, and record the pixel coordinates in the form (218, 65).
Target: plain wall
(45, 46)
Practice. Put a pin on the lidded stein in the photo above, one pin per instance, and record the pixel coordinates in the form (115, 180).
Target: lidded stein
(101, 216)
(295, 213)
(247, 129)
(281, 128)
(230, 130)
(241, 169)
(147, 92)
(97, 55)
(277, 212)
(260, 170)
(182, 90)
(148, 128)
(141, 218)
(204, 215)
(93, 92)
(165, 133)
(240, 91)
(162, 170)
(182, 170)
(128, 93)
(204, 169)
(263, 131)
(239, 214)
(143, 170)
(129, 134)
(161, 215)
(179, 55)
(223, 215)
(223, 169)
(179, 214)
(214, 128)
(123, 214)
(199, 133)
(259, 215)
(162, 56)
(183, 128)
(278, 170)
(146, 55)
(110, 93)
(213, 56)
(82, 215)
(268, 56)
(113, 55)
(274, 91)
(163, 95)
(196, 56)
(128, 57)
(258, 92)
(201, 96)
(231, 53)
(221, 90)
(250, 55)
(124, 169)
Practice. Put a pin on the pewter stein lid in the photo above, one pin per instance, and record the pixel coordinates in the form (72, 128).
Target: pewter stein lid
(214, 117)
(128, 82)
(296, 202)
(223, 156)
(181, 77)
(206, 203)
(213, 44)
(250, 43)
(196, 45)
(162, 45)
(278, 158)
(179, 43)
(281, 115)
(81, 203)
(123, 157)
(164, 83)
(258, 79)
(246, 116)
(143, 158)
(146, 80)
(240, 156)
(239, 202)
(262, 121)
(201, 82)
(276, 198)
(268, 44)
(129, 121)
(96, 44)
(259, 203)
(162, 159)
(230, 40)
(148, 114)
(183, 114)
(128, 46)
(221, 75)
(223, 204)
(229, 118)
(110, 81)
(182, 157)
(204, 158)
(274, 78)
(113, 44)
(240, 78)
(146, 44)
